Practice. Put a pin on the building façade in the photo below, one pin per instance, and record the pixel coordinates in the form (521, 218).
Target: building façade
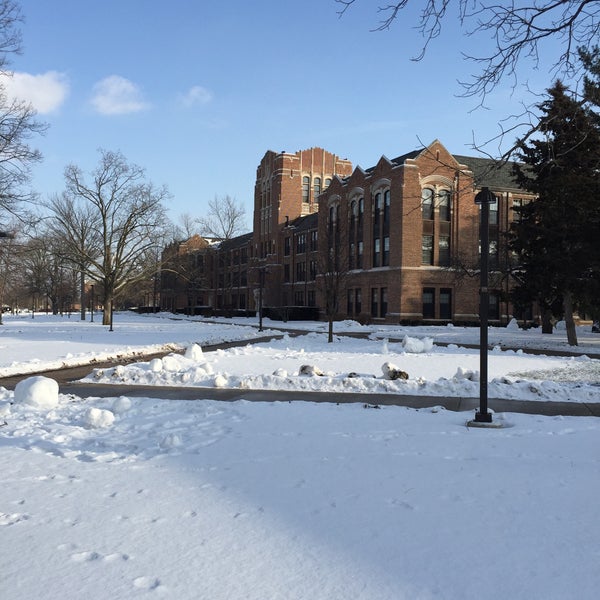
(403, 236)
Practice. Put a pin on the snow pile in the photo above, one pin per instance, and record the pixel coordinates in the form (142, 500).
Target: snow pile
(416, 345)
(39, 392)
(98, 417)
(357, 366)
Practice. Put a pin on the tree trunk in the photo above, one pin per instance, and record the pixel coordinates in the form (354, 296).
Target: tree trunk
(107, 310)
(570, 323)
(547, 320)
(82, 293)
(330, 331)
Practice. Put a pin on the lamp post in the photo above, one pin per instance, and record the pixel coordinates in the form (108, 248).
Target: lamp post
(261, 280)
(484, 198)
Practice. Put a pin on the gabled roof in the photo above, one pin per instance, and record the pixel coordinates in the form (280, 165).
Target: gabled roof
(489, 172)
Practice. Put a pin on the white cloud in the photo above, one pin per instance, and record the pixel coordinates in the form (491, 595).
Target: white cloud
(196, 95)
(115, 95)
(45, 92)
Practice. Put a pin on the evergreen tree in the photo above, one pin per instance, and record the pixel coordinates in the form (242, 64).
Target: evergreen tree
(557, 234)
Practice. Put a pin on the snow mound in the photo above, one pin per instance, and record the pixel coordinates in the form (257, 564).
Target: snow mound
(194, 352)
(512, 325)
(121, 405)
(38, 391)
(156, 365)
(416, 345)
(97, 418)
(392, 372)
(466, 374)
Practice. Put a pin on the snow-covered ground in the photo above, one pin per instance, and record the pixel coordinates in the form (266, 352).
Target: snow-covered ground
(122, 497)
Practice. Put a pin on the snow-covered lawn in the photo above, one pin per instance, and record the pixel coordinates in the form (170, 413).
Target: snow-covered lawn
(124, 498)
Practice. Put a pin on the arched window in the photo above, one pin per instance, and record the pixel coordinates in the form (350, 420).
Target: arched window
(316, 187)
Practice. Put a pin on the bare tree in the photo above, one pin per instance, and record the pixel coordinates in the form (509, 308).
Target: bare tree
(124, 220)
(186, 227)
(224, 219)
(518, 29)
(80, 240)
(17, 124)
(333, 267)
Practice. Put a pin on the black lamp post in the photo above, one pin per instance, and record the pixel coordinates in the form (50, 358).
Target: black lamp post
(261, 283)
(484, 198)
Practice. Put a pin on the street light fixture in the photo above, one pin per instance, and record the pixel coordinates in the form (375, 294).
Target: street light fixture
(484, 198)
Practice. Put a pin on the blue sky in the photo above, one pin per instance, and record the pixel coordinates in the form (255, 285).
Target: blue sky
(196, 91)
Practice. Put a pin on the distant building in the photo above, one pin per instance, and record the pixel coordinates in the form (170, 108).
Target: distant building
(405, 232)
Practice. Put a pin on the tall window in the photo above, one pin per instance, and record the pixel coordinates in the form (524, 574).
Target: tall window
(428, 303)
(444, 250)
(350, 302)
(358, 300)
(374, 302)
(494, 212)
(444, 205)
(376, 252)
(445, 303)
(313, 241)
(427, 204)
(305, 188)
(427, 250)
(286, 246)
(384, 302)
(316, 187)
(300, 271)
(381, 229)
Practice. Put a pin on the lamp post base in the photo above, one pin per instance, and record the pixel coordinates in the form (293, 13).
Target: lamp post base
(484, 420)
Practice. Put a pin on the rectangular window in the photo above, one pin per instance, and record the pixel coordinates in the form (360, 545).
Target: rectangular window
(311, 298)
(386, 252)
(444, 205)
(427, 249)
(494, 305)
(299, 298)
(428, 303)
(300, 271)
(445, 303)
(286, 273)
(383, 302)
(313, 241)
(358, 301)
(444, 250)
(427, 204)
(350, 302)
(301, 243)
(359, 256)
(374, 302)
(313, 270)
(351, 252)
(494, 212)
(286, 246)
(376, 252)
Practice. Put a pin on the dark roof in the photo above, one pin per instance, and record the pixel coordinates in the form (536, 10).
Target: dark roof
(400, 159)
(306, 222)
(489, 172)
(236, 242)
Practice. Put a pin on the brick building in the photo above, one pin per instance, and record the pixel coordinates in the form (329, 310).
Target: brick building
(404, 233)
